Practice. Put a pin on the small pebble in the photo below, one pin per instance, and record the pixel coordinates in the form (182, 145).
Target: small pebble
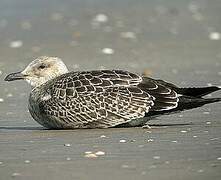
(156, 157)
(101, 18)
(150, 140)
(128, 35)
(9, 95)
(107, 51)
(214, 36)
(200, 171)
(100, 153)
(27, 161)
(67, 145)
(183, 131)
(88, 152)
(90, 155)
(125, 166)
(122, 141)
(148, 132)
(213, 139)
(206, 112)
(219, 158)
(68, 158)
(9, 113)
(208, 122)
(195, 136)
(0, 72)
(1, 100)
(102, 136)
(174, 141)
(16, 44)
(16, 174)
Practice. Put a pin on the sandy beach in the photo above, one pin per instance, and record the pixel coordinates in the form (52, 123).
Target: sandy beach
(172, 40)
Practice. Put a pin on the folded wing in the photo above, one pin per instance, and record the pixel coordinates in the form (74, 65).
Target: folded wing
(97, 99)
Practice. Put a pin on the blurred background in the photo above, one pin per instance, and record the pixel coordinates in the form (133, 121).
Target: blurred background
(178, 41)
(175, 41)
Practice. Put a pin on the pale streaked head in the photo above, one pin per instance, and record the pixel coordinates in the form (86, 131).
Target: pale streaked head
(40, 70)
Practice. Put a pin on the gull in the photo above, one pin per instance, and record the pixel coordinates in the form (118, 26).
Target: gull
(60, 99)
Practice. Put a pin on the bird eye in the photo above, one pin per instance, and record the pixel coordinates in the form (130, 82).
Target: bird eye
(42, 66)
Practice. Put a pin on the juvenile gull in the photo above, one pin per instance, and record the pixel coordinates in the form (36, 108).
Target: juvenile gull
(102, 98)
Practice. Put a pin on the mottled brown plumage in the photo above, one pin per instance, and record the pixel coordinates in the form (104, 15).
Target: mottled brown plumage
(97, 99)
(101, 98)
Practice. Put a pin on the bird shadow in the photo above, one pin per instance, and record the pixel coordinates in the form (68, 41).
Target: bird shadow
(167, 125)
(21, 128)
(176, 124)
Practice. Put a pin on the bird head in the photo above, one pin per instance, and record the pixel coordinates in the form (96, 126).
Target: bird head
(39, 71)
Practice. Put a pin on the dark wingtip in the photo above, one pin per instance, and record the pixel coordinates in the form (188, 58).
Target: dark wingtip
(198, 92)
(216, 88)
(212, 100)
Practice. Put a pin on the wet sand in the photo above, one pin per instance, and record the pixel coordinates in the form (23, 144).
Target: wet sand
(175, 41)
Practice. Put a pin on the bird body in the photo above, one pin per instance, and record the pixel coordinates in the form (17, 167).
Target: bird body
(101, 98)
(96, 99)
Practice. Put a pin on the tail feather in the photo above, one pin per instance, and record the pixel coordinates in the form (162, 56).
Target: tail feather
(189, 98)
(185, 103)
(192, 91)
(197, 92)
